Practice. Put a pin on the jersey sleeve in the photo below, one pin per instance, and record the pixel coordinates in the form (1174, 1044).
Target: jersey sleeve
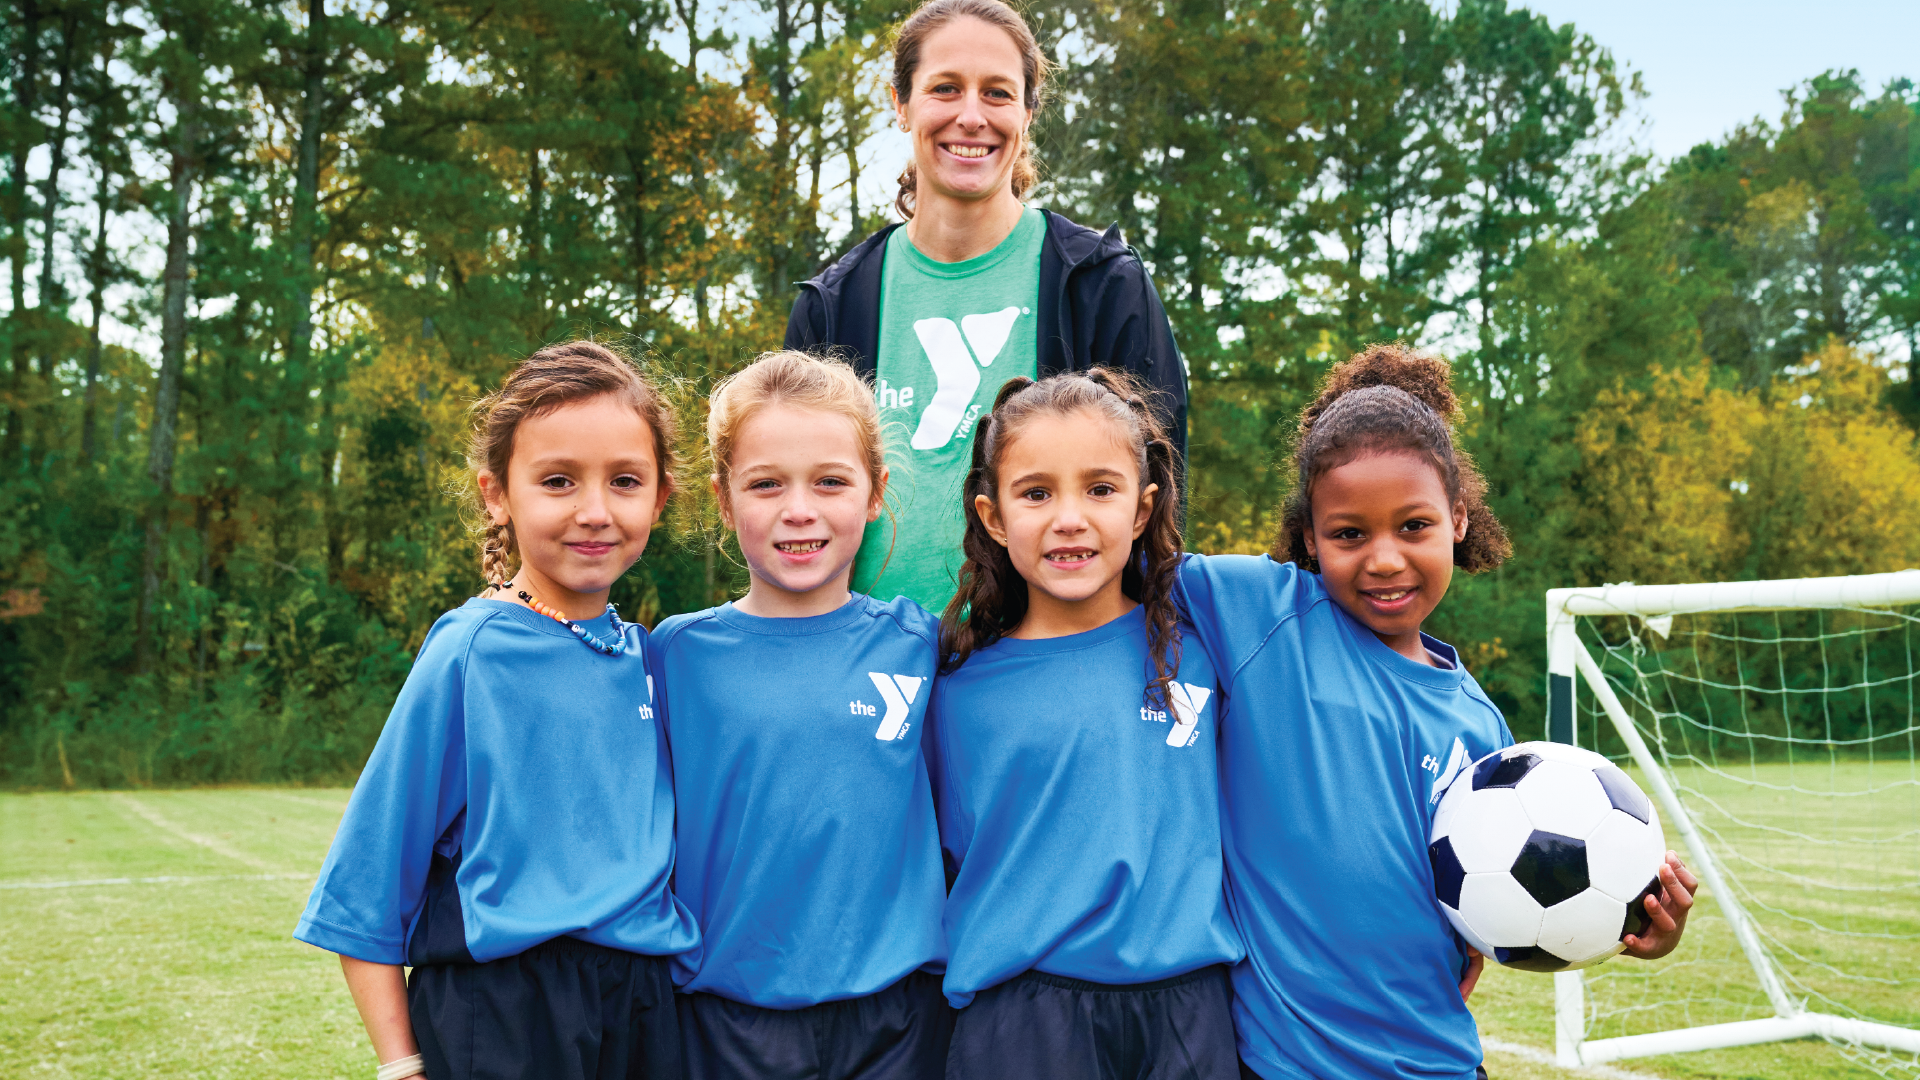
(1234, 602)
(413, 787)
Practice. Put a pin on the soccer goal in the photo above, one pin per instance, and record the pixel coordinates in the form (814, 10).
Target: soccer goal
(1775, 722)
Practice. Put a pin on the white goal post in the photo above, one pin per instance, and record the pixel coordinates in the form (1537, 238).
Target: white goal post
(1650, 611)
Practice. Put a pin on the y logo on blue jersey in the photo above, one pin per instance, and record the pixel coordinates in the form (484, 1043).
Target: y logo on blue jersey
(898, 691)
(1456, 761)
(952, 352)
(1187, 700)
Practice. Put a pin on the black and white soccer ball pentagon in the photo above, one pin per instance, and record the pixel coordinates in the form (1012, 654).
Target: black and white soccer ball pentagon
(1543, 854)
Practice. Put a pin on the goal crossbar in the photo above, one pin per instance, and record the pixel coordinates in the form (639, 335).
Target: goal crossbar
(1568, 657)
(1789, 594)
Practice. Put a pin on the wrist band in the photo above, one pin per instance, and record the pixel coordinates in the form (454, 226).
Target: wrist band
(400, 1068)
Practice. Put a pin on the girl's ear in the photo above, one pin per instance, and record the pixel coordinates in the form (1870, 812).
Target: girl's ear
(878, 504)
(1313, 549)
(1145, 512)
(720, 497)
(899, 107)
(493, 493)
(1459, 522)
(990, 518)
(660, 498)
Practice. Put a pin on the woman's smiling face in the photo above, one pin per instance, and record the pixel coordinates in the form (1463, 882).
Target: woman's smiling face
(967, 111)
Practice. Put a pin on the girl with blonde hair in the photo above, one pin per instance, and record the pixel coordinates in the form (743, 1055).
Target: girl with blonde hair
(807, 847)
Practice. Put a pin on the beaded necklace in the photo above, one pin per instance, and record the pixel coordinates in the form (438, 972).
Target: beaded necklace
(581, 632)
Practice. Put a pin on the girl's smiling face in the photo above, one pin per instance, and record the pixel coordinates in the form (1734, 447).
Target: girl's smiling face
(1383, 532)
(582, 490)
(1068, 509)
(799, 500)
(967, 111)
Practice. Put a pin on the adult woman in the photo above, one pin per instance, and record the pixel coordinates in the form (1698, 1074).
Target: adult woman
(976, 288)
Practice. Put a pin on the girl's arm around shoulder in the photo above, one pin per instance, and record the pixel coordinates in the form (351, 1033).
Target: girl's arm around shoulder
(1235, 601)
(409, 793)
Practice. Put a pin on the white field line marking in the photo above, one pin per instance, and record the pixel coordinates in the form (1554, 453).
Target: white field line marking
(167, 880)
(1541, 1057)
(218, 847)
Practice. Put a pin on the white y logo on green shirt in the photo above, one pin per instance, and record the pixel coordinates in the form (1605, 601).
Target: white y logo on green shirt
(954, 367)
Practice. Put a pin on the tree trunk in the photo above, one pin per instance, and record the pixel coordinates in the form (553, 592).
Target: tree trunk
(97, 282)
(58, 147)
(689, 12)
(42, 425)
(782, 146)
(637, 154)
(26, 96)
(306, 188)
(638, 151)
(173, 342)
(535, 233)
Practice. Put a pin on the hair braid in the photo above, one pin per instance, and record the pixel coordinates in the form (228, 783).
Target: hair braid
(497, 549)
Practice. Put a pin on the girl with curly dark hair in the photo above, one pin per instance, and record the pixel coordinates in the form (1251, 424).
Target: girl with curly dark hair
(1074, 767)
(1344, 725)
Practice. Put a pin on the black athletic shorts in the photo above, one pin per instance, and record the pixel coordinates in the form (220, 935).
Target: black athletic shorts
(899, 1033)
(1045, 1027)
(562, 1010)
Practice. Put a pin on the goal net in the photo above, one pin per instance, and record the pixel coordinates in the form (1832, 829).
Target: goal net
(1776, 723)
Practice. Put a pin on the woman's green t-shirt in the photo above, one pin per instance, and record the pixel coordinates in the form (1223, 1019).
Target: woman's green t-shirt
(951, 334)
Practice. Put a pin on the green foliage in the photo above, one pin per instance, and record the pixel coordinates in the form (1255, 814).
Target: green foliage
(262, 256)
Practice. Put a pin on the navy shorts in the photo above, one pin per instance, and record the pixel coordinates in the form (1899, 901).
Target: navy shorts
(1045, 1027)
(899, 1033)
(562, 1010)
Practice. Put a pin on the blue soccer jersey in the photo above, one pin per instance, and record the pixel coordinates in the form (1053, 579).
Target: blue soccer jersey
(807, 845)
(533, 765)
(1084, 821)
(1334, 752)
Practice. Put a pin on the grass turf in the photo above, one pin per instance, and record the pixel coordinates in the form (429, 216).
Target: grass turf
(163, 950)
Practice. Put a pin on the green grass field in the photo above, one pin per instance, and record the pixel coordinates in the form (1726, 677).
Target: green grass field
(146, 934)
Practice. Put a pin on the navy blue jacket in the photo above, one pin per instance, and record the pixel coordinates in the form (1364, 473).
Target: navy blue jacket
(1098, 308)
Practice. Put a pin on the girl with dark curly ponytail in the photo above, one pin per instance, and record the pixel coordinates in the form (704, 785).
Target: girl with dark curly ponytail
(1073, 764)
(1345, 724)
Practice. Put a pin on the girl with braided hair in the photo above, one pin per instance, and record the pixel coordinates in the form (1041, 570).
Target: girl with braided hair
(1073, 755)
(511, 837)
(1344, 725)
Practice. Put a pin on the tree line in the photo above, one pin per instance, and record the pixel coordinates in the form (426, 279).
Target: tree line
(263, 254)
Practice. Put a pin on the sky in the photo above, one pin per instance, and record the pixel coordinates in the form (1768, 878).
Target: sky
(1710, 65)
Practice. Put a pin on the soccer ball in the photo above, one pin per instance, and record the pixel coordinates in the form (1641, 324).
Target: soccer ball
(1543, 855)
